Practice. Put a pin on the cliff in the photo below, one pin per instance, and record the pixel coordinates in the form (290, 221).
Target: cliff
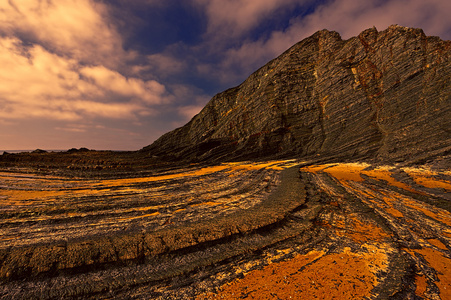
(383, 95)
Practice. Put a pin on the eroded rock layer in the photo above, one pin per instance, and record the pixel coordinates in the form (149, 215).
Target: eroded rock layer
(263, 230)
(381, 94)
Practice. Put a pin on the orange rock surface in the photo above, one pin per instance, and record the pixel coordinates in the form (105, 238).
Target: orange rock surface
(315, 275)
(355, 274)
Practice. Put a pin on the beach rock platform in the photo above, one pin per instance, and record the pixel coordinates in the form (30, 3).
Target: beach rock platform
(262, 230)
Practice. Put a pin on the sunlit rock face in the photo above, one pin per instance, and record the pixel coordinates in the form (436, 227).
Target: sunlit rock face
(380, 94)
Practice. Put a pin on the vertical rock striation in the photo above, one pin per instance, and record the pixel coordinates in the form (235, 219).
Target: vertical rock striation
(381, 94)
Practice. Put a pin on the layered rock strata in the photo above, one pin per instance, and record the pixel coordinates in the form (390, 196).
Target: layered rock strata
(264, 230)
(180, 220)
(381, 94)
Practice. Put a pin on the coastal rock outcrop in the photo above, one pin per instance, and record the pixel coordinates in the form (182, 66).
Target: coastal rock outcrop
(384, 95)
(257, 196)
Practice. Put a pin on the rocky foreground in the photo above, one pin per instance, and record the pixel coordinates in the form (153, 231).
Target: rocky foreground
(261, 230)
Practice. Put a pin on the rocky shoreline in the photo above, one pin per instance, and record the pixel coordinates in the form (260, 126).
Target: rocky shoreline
(209, 230)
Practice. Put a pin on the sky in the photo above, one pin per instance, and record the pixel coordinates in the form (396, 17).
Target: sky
(117, 74)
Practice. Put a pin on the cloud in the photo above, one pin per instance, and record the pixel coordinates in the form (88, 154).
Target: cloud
(165, 64)
(38, 84)
(79, 128)
(150, 91)
(63, 63)
(189, 111)
(62, 60)
(195, 100)
(73, 128)
(79, 29)
(234, 18)
(348, 17)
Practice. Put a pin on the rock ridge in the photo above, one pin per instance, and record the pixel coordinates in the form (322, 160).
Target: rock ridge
(382, 94)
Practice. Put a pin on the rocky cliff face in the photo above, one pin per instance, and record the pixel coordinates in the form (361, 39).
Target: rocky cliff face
(383, 95)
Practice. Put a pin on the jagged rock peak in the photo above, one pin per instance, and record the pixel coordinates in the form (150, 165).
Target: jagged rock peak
(382, 94)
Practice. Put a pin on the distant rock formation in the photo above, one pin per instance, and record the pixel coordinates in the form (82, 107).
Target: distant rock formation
(383, 95)
(39, 151)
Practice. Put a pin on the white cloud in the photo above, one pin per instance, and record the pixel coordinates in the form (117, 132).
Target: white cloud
(38, 84)
(61, 60)
(150, 91)
(79, 29)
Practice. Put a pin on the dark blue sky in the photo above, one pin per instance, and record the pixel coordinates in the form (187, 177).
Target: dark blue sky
(118, 74)
(169, 24)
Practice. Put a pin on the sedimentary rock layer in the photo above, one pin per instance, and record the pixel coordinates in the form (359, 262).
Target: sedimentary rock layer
(381, 94)
(386, 236)
(268, 229)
